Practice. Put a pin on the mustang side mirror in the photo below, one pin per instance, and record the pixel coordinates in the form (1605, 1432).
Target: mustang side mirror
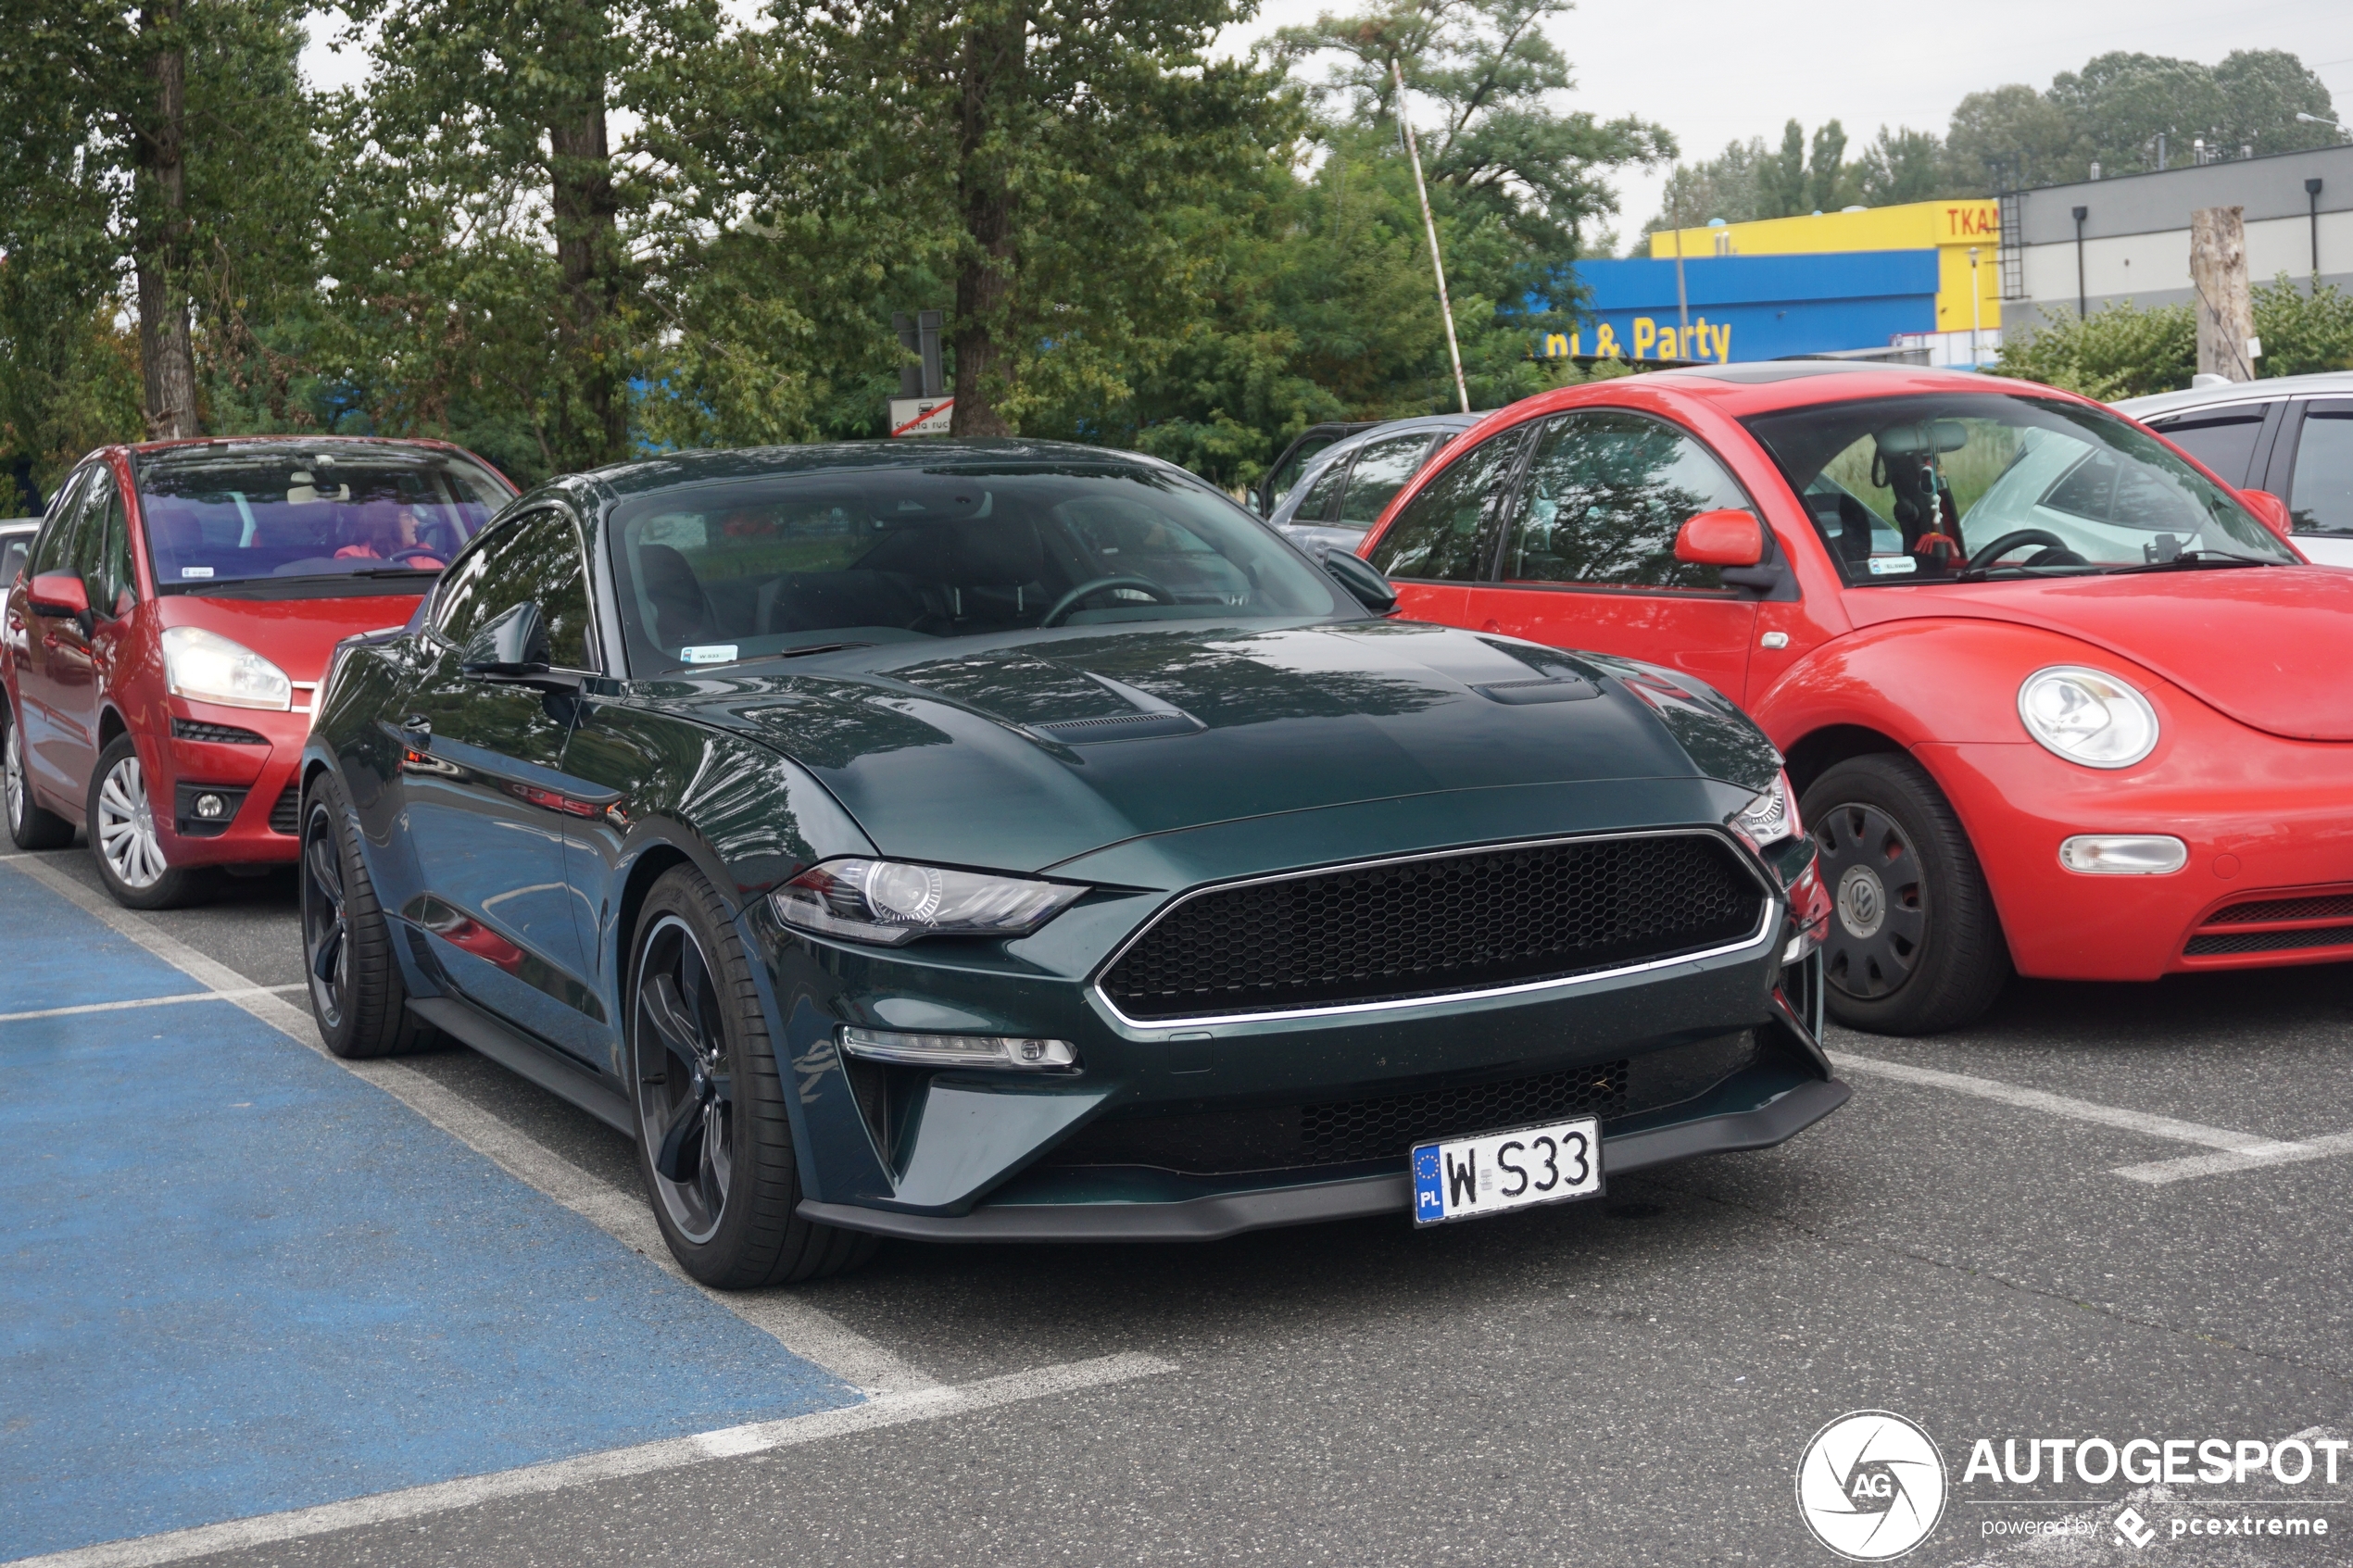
(60, 593)
(513, 645)
(2269, 510)
(1362, 579)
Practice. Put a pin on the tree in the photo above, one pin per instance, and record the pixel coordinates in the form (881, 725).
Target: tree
(1725, 186)
(1906, 165)
(2010, 137)
(2124, 351)
(1830, 184)
(1780, 179)
(158, 162)
(2263, 90)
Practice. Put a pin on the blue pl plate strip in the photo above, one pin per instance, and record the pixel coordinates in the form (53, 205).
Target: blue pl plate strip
(235, 1279)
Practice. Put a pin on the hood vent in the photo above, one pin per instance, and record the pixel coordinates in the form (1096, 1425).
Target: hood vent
(1556, 688)
(1149, 716)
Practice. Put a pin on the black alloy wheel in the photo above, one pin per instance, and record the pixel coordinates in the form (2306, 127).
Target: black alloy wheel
(1914, 945)
(356, 994)
(30, 826)
(713, 1134)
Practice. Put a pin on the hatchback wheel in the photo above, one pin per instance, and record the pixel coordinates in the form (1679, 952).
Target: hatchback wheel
(356, 992)
(29, 827)
(123, 838)
(712, 1134)
(1914, 944)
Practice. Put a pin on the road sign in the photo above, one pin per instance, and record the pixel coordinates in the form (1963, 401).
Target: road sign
(920, 416)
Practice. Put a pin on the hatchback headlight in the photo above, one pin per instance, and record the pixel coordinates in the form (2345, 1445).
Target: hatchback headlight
(208, 667)
(894, 902)
(2087, 717)
(1770, 817)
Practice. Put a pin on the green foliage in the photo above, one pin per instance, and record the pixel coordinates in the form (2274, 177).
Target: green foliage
(2124, 351)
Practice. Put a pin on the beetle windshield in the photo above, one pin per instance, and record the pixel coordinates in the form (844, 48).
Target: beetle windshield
(798, 562)
(244, 510)
(1977, 486)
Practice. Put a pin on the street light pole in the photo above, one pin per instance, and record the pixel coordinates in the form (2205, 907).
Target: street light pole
(1976, 355)
(1445, 308)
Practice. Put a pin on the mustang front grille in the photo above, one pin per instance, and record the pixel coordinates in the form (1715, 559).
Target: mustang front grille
(1434, 925)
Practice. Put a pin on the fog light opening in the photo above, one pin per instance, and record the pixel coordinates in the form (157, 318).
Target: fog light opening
(212, 808)
(1019, 1051)
(2125, 854)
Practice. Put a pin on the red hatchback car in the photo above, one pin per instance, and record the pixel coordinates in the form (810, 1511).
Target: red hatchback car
(172, 624)
(2054, 698)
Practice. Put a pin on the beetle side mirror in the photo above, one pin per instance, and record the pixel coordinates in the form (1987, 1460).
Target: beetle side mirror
(511, 646)
(60, 592)
(1721, 538)
(2269, 510)
(1362, 579)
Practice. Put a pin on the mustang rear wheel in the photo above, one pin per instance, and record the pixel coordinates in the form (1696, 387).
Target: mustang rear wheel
(356, 991)
(712, 1134)
(29, 827)
(1914, 944)
(123, 838)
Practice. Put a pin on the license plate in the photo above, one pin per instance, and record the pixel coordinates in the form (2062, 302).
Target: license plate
(1469, 1177)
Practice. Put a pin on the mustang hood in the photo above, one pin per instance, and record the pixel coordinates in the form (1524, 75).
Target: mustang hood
(2267, 646)
(1029, 749)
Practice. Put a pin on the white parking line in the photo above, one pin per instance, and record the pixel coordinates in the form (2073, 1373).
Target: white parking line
(888, 1410)
(151, 1002)
(806, 1331)
(2238, 1151)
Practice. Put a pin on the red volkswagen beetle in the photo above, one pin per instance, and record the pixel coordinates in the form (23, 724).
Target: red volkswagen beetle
(2054, 698)
(174, 620)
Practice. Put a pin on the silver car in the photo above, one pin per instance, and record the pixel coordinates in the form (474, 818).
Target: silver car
(15, 538)
(1345, 487)
(2291, 436)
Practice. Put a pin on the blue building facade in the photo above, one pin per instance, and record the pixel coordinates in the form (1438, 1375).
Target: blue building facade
(1751, 307)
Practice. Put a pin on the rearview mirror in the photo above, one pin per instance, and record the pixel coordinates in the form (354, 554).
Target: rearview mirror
(60, 592)
(1362, 579)
(513, 644)
(1721, 538)
(2269, 510)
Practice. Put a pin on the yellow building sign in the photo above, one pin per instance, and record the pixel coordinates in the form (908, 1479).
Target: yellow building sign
(1951, 228)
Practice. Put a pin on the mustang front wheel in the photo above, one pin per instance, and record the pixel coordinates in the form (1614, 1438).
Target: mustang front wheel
(713, 1137)
(356, 991)
(1914, 944)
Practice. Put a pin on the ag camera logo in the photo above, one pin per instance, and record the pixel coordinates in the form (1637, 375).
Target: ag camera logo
(1870, 1486)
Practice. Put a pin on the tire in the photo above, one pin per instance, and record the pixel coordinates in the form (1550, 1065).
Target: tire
(1915, 946)
(29, 825)
(122, 836)
(714, 1138)
(356, 991)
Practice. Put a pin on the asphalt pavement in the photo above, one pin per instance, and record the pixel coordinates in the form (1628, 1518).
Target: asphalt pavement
(2107, 1213)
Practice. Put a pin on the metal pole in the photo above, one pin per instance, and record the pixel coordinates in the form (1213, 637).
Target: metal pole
(2081, 308)
(1682, 295)
(2312, 195)
(1976, 355)
(1445, 308)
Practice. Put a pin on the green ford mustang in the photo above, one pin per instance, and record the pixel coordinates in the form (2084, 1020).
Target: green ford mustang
(1007, 841)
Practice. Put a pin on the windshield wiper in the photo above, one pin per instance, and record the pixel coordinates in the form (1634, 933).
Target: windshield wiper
(2192, 560)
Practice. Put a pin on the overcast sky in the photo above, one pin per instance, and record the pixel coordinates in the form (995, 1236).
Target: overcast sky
(1712, 70)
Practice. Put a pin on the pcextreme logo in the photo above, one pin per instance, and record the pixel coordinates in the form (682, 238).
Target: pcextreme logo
(1870, 1486)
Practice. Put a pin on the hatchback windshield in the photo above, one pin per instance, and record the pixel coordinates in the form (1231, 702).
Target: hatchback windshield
(804, 562)
(1976, 486)
(250, 511)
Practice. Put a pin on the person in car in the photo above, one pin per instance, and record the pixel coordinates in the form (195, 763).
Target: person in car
(391, 537)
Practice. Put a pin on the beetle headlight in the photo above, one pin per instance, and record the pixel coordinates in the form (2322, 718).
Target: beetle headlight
(2087, 717)
(209, 668)
(894, 902)
(1770, 817)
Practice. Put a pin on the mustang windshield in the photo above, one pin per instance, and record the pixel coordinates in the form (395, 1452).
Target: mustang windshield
(804, 562)
(240, 510)
(1975, 486)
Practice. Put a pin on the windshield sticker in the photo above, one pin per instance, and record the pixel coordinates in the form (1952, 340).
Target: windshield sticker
(710, 653)
(1893, 565)
(195, 571)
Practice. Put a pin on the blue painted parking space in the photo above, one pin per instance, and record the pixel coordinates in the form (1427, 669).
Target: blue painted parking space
(235, 1279)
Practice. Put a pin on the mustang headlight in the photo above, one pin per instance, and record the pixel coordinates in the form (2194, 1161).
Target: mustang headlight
(209, 668)
(1770, 817)
(894, 902)
(2087, 717)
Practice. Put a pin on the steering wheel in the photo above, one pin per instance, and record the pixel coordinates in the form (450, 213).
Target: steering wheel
(415, 552)
(1072, 600)
(1979, 560)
